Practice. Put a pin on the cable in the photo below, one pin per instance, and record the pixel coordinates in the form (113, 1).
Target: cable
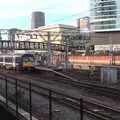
(73, 15)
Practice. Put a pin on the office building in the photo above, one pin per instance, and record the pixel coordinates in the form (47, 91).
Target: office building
(83, 24)
(105, 15)
(105, 24)
(38, 19)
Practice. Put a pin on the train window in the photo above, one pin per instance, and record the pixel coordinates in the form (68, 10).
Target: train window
(8, 59)
(17, 59)
(26, 59)
(1, 59)
(31, 59)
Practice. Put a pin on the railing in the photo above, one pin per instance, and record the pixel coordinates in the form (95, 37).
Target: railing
(12, 90)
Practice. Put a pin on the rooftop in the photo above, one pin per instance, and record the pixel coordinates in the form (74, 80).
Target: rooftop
(56, 26)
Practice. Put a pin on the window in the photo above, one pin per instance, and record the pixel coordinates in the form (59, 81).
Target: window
(17, 60)
(8, 59)
(28, 58)
(1, 59)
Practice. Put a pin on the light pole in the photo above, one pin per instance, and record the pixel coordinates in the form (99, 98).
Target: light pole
(66, 56)
(111, 50)
(49, 56)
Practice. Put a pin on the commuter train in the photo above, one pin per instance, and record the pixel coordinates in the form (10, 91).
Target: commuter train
(96, 60)
(17, 62)
(84, 62)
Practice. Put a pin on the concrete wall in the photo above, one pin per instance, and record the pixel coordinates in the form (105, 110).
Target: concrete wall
(105, 38)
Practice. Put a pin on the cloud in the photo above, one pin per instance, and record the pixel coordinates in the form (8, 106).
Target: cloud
(9, 15)
(67, 11)
(71, 7)
(12, 3)
(18, 8)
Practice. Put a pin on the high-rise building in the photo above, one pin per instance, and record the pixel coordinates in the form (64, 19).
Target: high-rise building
(38, 19)
(83, 24)
(105, 15)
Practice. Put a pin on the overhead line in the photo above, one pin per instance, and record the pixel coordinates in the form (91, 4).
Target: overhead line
(73, 15)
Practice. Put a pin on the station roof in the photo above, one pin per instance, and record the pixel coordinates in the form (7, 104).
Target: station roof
(47, 27)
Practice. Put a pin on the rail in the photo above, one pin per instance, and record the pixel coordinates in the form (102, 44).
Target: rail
(52, 95)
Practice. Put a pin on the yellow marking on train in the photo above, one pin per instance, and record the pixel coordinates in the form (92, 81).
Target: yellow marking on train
(27, 64)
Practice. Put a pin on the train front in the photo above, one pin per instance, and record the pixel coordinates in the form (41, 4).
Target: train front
(28, 62)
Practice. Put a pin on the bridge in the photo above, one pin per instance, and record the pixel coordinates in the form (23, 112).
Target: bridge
(28, 45)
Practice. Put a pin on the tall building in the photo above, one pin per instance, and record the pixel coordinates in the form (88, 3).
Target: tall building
(38, 19)
(105, 24)
(83, 24)
(105, 15)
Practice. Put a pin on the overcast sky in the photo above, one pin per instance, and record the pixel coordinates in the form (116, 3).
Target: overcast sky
(17, 13)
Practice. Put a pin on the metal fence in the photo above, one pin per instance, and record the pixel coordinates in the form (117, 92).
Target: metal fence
(24, 96)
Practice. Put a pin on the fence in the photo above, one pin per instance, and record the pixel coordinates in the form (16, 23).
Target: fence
(22, 95)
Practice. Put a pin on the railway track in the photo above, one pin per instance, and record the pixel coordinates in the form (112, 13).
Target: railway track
(89, 88)
(93, 87)
(100, 89)
(104, 112)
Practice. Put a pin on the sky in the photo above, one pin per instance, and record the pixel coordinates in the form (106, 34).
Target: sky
(17, 13)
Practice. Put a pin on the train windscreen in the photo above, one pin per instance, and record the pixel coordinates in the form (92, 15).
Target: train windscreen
(28, 59)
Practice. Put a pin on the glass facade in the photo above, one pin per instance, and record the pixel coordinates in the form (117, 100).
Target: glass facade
(105, 15)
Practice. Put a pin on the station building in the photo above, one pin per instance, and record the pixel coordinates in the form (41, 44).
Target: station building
(42, 33)
(57, 33)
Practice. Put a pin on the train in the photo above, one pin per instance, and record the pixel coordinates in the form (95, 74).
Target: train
(17, 61)
(85, 62)
(96, 61)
